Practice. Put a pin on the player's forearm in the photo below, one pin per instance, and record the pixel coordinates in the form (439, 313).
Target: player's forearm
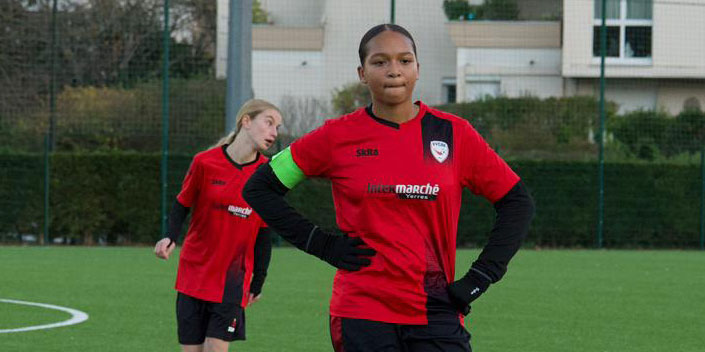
(263, 251)
(514, 213)
(177, 216)
(265, 194)
(262, 257)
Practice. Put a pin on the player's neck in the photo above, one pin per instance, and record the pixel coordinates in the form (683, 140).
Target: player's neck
(241, 150)
(399, 113)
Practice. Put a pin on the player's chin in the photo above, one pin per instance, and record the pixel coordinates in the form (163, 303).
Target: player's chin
(264, 146)
(395, 99)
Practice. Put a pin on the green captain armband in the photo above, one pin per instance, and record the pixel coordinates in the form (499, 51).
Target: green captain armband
(286, 169)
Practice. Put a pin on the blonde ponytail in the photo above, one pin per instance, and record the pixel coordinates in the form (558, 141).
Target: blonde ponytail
(251, 108)
(225, 140)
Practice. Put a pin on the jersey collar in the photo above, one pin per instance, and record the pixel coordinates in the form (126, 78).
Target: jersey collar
(238, 166)
(370, 113)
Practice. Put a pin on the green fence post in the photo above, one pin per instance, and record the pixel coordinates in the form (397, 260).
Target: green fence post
(52, 78)
(165, 115)
(49, 137)
(393, 12)
(702, 198)
(46, 189)
(601, 138)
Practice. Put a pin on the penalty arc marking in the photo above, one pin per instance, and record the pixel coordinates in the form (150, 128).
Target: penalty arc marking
(77, 316)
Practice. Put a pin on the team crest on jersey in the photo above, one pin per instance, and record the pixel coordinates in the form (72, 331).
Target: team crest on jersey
(239, 211)
(439, 150)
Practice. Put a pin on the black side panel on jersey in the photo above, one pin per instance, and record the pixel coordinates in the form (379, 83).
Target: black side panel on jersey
(234, 281)
(437, 138)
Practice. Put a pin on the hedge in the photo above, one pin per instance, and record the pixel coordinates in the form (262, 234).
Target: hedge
(115, 197)
(534, 128)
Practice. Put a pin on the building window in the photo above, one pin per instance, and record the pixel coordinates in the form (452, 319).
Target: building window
(449, 86)
(450, 93)
(629, 26)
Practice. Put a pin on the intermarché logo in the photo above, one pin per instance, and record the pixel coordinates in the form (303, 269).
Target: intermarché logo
(421, 192)
(240, 211)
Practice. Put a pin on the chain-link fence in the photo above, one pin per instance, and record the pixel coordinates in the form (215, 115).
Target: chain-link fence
(81, 106)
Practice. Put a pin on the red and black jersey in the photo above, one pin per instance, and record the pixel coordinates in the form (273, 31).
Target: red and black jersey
(399, 187)
(216, 260)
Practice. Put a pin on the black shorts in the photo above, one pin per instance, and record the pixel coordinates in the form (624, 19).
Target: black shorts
(357, 335)
(198, 319)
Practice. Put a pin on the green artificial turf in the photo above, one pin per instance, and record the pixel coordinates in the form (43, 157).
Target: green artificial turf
(552, 300)
(14, 316)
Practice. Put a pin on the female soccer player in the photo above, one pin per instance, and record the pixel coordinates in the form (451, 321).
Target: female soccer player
(397, 170)
(227, 249)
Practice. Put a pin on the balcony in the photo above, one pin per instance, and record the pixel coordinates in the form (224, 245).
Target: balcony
(266, 37)
(505, 34)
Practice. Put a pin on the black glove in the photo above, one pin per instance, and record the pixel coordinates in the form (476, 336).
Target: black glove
(342, 252)
(467, 289)
(256, 285)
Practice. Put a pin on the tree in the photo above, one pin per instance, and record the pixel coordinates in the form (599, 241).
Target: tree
(302, 114)
(259, 15)
(350, 97)
(24, 54)
(99, 43)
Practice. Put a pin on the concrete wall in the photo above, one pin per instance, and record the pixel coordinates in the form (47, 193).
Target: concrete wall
(635, 94)
(673, 94)
(277, 74)
(519, 72)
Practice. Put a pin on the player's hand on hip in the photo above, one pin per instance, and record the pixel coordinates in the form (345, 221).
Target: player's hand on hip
(343, 252)
(253, 299)
(164, 247)
(348, 253)
(467, 289)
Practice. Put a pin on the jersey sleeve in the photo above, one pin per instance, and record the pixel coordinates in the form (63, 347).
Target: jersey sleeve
(191, 185)
(312, 152)
(481, 169)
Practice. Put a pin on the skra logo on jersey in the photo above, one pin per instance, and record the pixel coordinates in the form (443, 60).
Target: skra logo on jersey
(420, 192)
(239, 211)
(366, 152)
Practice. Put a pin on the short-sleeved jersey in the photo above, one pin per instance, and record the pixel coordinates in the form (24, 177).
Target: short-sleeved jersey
(399, 188)
(217, 257)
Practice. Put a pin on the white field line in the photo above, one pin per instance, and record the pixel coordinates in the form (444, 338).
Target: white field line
(76, 316)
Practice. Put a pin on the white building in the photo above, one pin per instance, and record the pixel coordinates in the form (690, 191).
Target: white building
(507, 58)
(656, 54)
(656, 50)
(311, 46)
